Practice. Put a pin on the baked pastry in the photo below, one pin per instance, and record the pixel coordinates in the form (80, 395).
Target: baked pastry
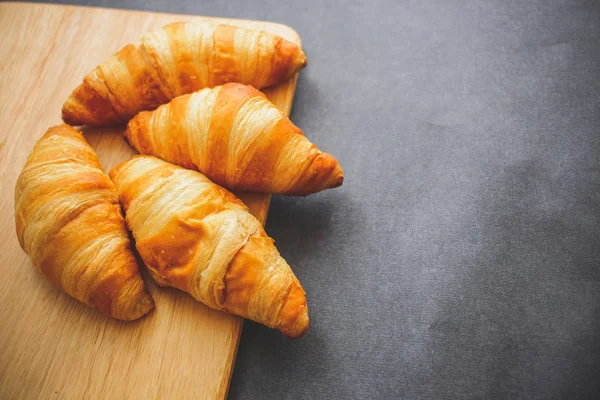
(237, 138)
(177, 59)
(69, 222)
(194, 235)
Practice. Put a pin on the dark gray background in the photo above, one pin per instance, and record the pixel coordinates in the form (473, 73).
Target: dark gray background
(460, 259)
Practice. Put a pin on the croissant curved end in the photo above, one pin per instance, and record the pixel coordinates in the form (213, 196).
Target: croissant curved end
(336, 178)
(300, 60)
(325, 172)
(328, 173)
(132, 302)
(85, 106)
(71, 112)
(294, 321)
(141, 308)
(299, 328)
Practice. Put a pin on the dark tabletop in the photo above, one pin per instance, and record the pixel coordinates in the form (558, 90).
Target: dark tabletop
(460, 259)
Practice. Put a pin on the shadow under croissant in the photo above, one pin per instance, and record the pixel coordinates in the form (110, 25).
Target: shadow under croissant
(87, 318)
(281, 360)
(301, 225)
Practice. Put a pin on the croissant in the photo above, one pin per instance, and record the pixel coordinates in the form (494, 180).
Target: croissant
(196, 236)
(237, 138)
(177, 59)
(69, 222)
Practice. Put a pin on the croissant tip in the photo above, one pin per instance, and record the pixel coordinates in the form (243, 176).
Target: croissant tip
(68, 117)
(141, 308)
(301, 59)
(337, 177)
(295, 321)
(299, 328)
(338, 181)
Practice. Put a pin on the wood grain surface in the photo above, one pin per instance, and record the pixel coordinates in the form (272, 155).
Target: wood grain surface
(52, 346)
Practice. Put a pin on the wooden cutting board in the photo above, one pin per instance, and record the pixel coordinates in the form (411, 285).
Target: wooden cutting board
(52, 346)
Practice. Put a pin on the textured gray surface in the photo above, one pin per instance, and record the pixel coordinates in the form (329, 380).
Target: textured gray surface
(461, 257)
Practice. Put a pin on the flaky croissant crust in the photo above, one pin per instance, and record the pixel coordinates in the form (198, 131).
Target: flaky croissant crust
(177, 59)
(196, 236)
(234, 135)
(68, 220)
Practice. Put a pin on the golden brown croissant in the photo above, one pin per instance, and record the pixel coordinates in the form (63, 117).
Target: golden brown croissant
(196, 236)
(237, 138)
(69, 222)
(177, 59)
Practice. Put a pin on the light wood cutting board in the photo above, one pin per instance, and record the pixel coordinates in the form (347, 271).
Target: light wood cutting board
(52, 346)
